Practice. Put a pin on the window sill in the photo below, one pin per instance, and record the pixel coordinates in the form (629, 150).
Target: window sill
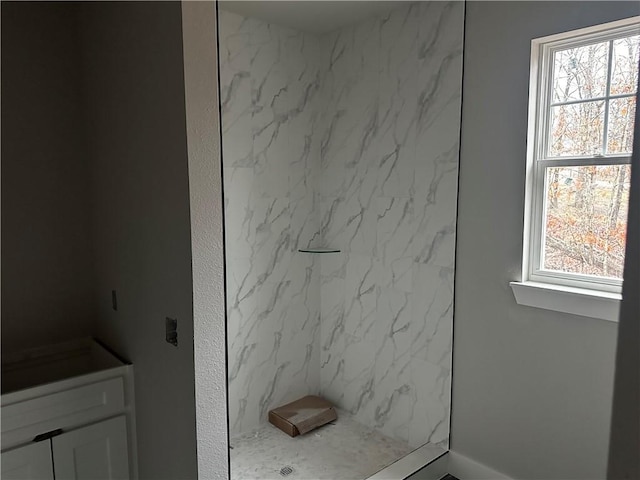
(578, 301)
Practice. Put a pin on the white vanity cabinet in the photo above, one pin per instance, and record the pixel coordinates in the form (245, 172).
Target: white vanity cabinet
(28, 462)
(75, 421)
(96, 451)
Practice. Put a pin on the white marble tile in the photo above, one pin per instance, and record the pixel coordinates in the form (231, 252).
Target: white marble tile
(395, 224)
(348, 140)
(395, 150)
(348, 375)
(439, 60)
(434, 239)
(397, 102)
(269, 86)
(345, 449)
(432, 314)
(394, 399)
(260, 230)
(433, 401)
(393, 321)
(360, 296)
(351, 99)
(394, 396)
(276, 349)
(333, 272)
(410, 147)
(349, 222)
(397, 274)
(304, 223)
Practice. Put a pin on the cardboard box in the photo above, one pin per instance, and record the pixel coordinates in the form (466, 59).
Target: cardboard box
(302, 416)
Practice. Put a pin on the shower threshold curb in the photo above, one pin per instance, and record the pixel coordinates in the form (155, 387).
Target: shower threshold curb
(410, 464)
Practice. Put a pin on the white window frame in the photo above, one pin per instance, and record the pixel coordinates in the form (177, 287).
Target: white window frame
(547, 283)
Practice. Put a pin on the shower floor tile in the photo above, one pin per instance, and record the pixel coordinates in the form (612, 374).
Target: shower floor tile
(346, 450)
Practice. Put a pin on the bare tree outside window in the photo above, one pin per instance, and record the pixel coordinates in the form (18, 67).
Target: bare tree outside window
(591, 110)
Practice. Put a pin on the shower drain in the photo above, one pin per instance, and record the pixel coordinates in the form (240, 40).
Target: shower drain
(284, 471)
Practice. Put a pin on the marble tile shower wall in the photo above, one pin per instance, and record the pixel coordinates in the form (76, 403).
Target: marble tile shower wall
(269, 78)
(388, 190)
(348, 140)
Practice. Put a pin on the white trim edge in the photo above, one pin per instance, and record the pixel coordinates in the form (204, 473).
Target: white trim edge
(466, 469)
(199, 40)
(436, 470)
(578, 301)
(411, 463)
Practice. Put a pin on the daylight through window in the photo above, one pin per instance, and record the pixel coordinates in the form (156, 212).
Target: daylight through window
(581, 146)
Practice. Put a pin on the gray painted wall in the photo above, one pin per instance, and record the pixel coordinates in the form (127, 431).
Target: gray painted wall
(532, 389)
(46, 232)
(137, 142)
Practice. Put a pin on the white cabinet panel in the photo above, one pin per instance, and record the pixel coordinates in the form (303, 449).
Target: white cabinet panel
(31, 462)
(96, 452)
(24, 420)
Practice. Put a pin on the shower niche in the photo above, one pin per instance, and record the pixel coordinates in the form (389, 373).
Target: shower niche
(340, 142)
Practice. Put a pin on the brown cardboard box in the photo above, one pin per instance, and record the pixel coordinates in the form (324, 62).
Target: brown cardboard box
(302, 416)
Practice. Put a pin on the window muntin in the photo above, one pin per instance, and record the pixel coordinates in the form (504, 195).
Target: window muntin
(584, 112)
(580, 73)
(576, 129)
(593, 89)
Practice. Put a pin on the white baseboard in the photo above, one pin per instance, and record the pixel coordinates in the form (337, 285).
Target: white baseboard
(464, 468)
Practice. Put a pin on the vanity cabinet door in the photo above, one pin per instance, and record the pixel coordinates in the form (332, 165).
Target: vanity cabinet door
(96, 452)
(31, 462)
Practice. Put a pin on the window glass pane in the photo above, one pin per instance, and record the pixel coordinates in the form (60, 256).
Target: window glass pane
(586, 215)
(624, 75)
(622, 113)
(580, 73)
(576, 129)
